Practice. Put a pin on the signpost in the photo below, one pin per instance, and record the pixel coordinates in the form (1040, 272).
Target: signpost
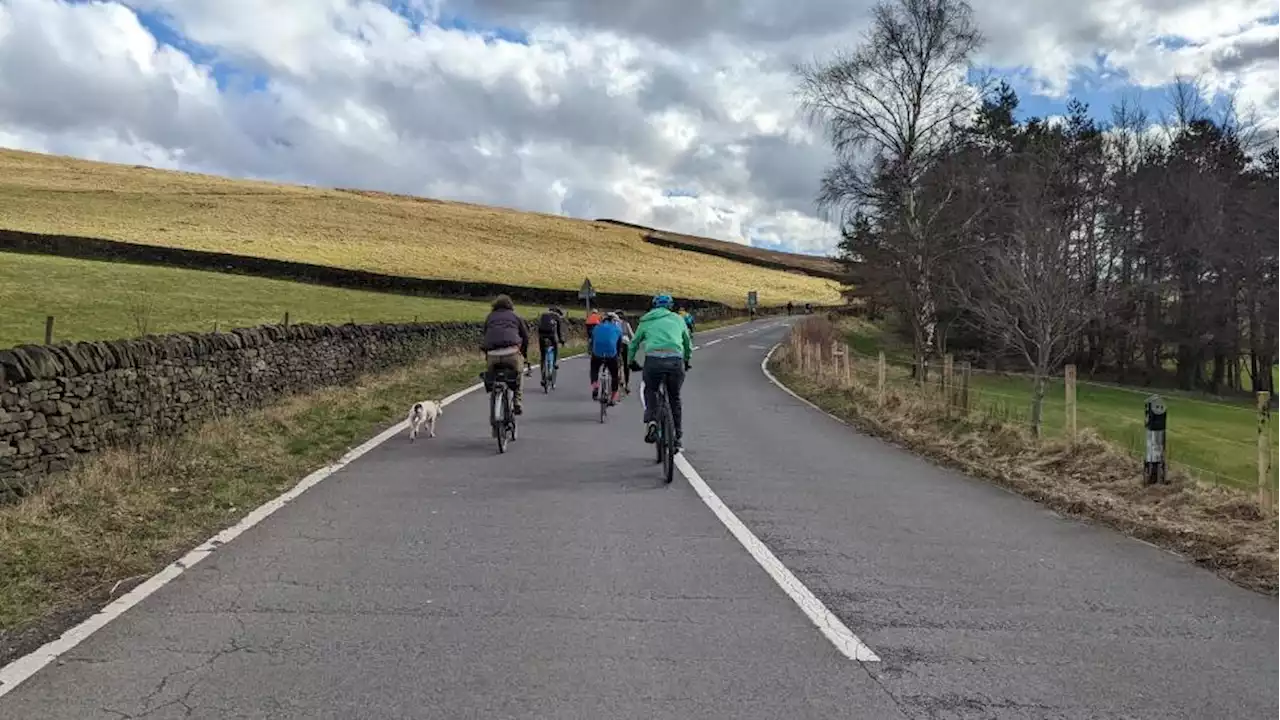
(586, 292)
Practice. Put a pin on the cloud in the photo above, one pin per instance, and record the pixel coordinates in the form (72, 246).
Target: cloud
(580, 107)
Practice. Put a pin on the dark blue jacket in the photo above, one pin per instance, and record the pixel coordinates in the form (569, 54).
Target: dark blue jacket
(605, 339)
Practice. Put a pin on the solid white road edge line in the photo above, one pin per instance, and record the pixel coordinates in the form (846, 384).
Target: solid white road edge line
(17, 671)
(13, 674)
(764, 367)
(831, 626)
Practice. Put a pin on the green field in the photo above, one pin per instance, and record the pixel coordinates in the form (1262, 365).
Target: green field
(1215, 440)
(93, 300)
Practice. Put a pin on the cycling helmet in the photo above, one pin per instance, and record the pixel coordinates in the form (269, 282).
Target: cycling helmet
(663, 300)
(613, 315)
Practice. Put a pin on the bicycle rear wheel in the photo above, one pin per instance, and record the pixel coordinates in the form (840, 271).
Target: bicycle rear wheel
(500, 422)
(668, 442)
(602, 381)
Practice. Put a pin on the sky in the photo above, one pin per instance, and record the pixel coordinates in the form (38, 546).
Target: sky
(678, 114)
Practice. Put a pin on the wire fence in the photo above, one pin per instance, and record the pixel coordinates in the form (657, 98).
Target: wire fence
(1219, 443)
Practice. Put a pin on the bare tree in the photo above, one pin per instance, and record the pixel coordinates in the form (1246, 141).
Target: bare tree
(889, 110)
(1023, 292)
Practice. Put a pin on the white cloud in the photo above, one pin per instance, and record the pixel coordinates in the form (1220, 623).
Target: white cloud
(606, 108)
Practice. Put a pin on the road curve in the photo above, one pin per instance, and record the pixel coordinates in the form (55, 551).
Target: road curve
(562, 580)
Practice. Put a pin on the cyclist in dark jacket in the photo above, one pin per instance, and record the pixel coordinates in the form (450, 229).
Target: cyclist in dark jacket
(506, 344)
(551, 333)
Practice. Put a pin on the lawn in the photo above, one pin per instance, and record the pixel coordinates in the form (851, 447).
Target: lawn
(93, 300)
(393, 234)
(1215, 440)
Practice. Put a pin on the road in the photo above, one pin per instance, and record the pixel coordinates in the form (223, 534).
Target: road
(563, 580)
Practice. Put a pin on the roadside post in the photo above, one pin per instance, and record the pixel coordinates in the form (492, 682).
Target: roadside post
(586, 292)
(1155, 423)
(752, 300)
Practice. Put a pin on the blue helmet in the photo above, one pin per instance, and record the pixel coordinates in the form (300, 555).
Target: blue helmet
(663, 300)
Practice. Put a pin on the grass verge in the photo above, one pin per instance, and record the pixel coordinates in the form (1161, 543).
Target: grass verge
(1215, 441)
(90, 535)
(380, 232)
(1219, 528)
(94, 300)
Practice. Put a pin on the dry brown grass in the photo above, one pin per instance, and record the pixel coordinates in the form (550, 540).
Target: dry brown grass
(372, 231)
(1222, 529)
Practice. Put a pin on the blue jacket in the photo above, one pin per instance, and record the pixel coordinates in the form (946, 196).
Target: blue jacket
(604, 340)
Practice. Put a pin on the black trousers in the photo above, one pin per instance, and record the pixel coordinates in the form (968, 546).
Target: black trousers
(669, 372)
(610, 363)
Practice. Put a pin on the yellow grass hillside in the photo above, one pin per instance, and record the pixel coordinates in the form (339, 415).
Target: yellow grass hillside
(367, 231)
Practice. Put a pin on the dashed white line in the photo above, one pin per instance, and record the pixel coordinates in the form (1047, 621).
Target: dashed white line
(831, 626)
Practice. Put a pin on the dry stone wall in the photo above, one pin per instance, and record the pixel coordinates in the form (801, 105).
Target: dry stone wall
(61, 402)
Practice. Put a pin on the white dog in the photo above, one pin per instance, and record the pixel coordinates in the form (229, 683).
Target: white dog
(425, 412)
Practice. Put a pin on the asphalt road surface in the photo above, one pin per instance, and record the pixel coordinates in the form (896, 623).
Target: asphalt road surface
(563, 580)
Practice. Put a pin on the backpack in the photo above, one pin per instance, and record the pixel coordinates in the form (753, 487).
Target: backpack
(548, 323)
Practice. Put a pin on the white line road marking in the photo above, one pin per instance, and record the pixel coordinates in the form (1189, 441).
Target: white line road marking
(764, 367)
(13, 674)
(713, 342)
(831, 626)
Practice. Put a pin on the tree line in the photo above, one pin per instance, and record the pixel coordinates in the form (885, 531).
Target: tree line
(1143, 251)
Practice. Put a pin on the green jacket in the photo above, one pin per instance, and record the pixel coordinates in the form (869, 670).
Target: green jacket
(660, 329)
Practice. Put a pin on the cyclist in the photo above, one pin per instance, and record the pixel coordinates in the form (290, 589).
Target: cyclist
(551, 333)
(606, 341)
(506, 343)
(621, 319)
(688, 320)
(593, 319)
(668, 349)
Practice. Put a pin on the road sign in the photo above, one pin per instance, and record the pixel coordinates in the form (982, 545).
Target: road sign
(752, 299)
(586, 292)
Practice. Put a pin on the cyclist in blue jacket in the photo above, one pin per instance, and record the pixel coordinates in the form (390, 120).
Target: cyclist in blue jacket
(606, 346)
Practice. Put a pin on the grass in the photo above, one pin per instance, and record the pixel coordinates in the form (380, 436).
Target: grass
(1215, 441)
(1218, 527)
(123, 515)
(93, 300)
(379, 232)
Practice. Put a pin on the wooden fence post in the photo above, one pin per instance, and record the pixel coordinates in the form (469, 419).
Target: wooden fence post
(965, 371)
(1069, 383)
(286, 322)
(948, 381)
(880, 373)
(1264, 451)
(48, 330)
(848, 366)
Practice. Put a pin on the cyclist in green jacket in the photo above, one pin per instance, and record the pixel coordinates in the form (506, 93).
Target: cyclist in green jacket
(668, 350)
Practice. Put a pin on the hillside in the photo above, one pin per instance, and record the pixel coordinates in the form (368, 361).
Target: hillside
(821, 267)
(364, 230)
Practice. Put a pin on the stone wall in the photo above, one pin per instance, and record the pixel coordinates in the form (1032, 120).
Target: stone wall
(60, 402)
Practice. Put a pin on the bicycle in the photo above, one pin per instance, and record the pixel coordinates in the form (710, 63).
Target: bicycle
(549, 370)
(502, 419)
(606, 391)
(665, 447)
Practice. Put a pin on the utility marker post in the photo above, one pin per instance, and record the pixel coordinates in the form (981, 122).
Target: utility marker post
(1155, 470)
(586, 292)
(48, 330)
(1069, 382)
(1265, 497)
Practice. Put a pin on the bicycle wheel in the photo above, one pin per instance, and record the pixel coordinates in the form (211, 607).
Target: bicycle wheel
(500, 426)
(660, 446)
(602, 381)
(669, 444)
(544, 372)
